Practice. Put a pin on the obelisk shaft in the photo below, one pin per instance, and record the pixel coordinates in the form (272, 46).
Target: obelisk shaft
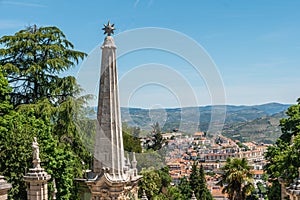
(109, 151)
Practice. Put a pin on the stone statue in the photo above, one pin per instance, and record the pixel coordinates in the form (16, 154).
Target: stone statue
(35, 152)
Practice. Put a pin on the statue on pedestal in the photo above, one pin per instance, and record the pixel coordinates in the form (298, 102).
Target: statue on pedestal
(36, 179)
(36, 153)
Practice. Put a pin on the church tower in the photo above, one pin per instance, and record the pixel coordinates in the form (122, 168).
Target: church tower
(111, 178)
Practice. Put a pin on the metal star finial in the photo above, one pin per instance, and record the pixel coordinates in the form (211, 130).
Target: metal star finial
(109, 28)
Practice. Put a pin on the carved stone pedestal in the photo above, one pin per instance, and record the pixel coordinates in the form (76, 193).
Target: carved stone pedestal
(36, 179)
(4, 187)
(37, 187)
(105, 187)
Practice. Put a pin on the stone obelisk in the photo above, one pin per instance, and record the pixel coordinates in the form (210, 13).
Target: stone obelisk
(110, 177)
(109, 153)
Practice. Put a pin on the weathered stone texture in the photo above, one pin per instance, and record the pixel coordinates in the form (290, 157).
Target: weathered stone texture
(113, 180)
(109, 151)
(4, 188)
(36, 179)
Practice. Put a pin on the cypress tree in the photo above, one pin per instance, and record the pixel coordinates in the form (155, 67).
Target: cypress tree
(198, 182)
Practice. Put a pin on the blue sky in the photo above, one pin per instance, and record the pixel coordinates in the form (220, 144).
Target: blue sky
(254, 44)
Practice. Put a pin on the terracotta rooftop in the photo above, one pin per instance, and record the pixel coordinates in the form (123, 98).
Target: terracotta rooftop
(257, 171)
(198, 133)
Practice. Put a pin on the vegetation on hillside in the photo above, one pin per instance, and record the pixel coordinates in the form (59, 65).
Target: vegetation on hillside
(131, 139)
(245, 123)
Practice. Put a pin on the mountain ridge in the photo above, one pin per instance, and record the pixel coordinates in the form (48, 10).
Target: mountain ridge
(192, 119)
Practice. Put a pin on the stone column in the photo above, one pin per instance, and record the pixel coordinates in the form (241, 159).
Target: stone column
(36, 179)
(112, 178)
(109, 150)
(4, 187)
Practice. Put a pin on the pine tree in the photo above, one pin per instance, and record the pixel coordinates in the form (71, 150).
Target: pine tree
(33, 59)
(5, 105)
(198, 182)
(185, 188)
(158, 139)
(204, 192)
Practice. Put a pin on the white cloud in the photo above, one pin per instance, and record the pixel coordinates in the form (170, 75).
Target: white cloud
(7, 24)
(150, 2)
(19, 3)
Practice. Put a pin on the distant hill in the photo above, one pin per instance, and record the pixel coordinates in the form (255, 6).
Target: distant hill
(257, 122)
(245, 123)
(263, 129)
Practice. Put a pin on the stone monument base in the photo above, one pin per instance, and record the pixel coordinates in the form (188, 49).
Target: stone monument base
(104, 187)
(4, 187)
(36, 180)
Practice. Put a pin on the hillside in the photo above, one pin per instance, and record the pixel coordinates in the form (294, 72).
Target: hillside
(263, 129)
(258, 122)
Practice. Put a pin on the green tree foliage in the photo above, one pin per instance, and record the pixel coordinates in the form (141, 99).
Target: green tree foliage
(237, 179)
(291, 126)
(46, 105)
(174, 193)
(274, 192)
(87, 131)
(197, 183)
(151, 182)
(185, 188)
(68, 119)
(155, 183)
(157, 142)
(5, 105)
(283, 157)
(158, 139)
(16, 133)
(165, 177)
(203, 192)
(130, 142)
(146, 159)
(136, 131)
(262, 190)
(17, 130)
(33, 58)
